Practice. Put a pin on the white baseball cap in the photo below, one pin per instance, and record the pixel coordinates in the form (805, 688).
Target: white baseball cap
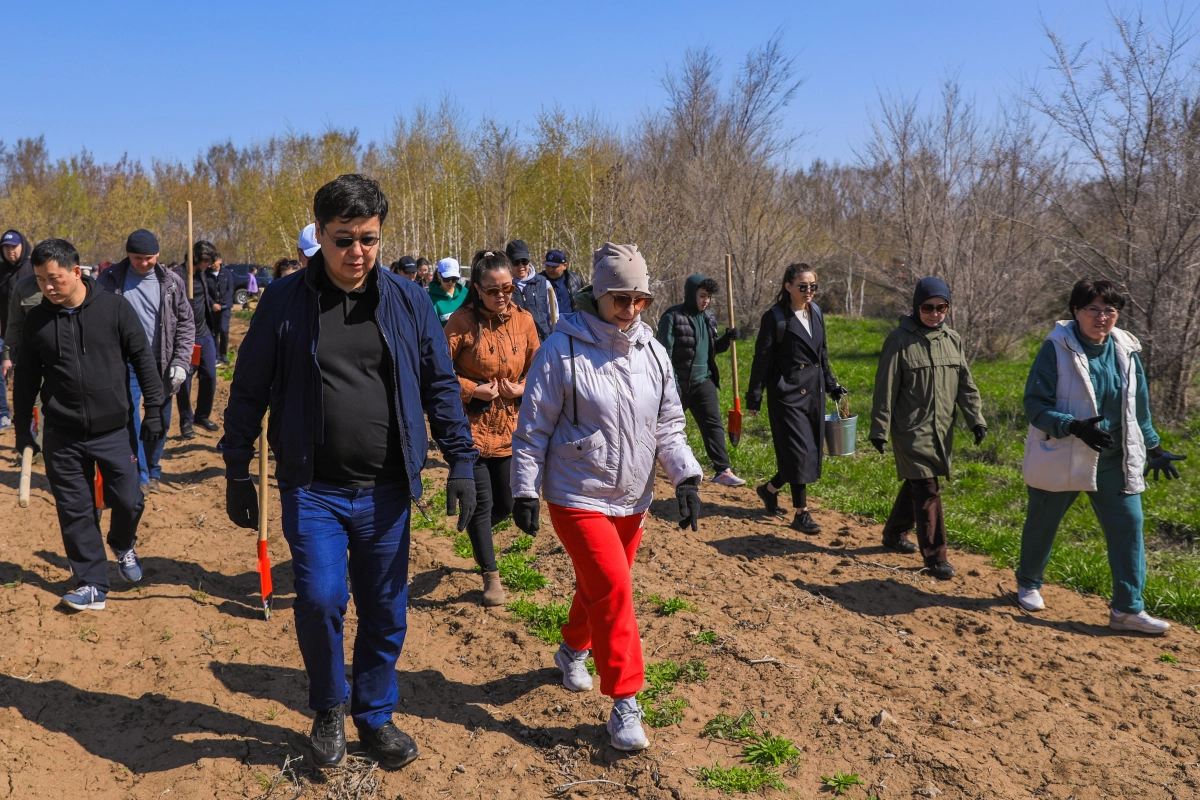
(307, 242)
(448, 268)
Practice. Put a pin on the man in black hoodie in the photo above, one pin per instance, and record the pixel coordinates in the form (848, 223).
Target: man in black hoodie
(14, 265)
(76, 349)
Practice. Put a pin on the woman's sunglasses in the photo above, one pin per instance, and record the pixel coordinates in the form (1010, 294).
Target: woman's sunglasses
(806, 287)
(932, 308)
(624, 301)
(494, 291)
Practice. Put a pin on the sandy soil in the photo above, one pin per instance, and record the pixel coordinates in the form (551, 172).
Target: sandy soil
(181, 690)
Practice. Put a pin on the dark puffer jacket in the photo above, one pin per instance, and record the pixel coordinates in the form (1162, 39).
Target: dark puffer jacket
(10, 273)
(677, 333)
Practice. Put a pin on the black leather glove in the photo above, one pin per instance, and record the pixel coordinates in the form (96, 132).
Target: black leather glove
(1093, 437)
(879, 443)
(731, 334)
(1161, 460)
(241, 502)
(460, 499)
(526, 511)
(25, 438)
(152, 425)
(980, 431)
(838, 392)
(688, 497)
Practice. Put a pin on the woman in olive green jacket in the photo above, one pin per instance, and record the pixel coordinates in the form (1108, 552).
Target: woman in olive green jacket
(922, 381)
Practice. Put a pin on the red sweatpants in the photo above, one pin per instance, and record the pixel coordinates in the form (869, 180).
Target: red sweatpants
(602, 619)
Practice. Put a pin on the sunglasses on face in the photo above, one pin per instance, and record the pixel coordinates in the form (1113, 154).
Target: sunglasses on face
(935, 308)
(806, 287)
(494, 291)
(344, 242)
(624, 301)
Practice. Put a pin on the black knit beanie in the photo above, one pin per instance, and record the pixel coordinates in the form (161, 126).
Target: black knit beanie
(142, 243)
(926, 289)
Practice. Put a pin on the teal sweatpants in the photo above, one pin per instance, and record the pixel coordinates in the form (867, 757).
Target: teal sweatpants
(1121, 520)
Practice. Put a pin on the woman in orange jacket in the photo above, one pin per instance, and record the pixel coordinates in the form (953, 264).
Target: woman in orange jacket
(492, 342)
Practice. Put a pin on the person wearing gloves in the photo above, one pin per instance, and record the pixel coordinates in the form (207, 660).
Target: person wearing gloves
(689, 333)
(492, 342)
(77, 348)
(446, 291)
(533, 292)
(350, 360)
(600, 403)
(791, 361)
(1090, 431)
(922, 381)
(160, 299)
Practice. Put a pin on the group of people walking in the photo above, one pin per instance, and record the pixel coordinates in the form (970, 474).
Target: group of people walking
(533, 387)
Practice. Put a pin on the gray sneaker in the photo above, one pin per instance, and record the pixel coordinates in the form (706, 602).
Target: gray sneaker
(573, 664)
(85, 598)
(1141, 622)
(625, 726)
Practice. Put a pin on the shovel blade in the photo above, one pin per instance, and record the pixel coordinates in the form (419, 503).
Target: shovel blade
(264, 576)
(735, 422)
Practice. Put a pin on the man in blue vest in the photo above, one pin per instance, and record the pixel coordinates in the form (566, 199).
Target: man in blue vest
(566, 284)
(533, 291)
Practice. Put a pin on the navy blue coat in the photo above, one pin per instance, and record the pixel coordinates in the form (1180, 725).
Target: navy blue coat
(220, 287)
(277, 368)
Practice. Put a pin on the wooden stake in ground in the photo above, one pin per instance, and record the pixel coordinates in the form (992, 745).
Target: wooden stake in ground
(191, 290)
(26, 471)
(735, 413)
(264, 558)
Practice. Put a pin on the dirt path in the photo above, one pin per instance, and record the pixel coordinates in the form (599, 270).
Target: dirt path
(181, 690)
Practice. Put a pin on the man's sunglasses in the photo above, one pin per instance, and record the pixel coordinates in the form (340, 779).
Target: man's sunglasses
(624, 301)
(807, 287)
(493, 291)
(935, 308)
(347, 241)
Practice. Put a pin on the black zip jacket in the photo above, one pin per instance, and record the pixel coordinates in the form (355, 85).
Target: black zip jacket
(80, 361)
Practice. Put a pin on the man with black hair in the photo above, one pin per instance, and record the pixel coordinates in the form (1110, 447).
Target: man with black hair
(533, 291)
(14, 265)
(206, 322)
(689, 333)
(220, 292)
(351, 359)
(566, 284)
(77, 348)
(160, 300)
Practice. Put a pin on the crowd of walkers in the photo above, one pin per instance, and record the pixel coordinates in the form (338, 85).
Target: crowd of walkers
(535, 387)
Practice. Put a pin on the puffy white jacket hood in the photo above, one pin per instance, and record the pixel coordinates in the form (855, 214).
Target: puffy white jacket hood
(599, 405)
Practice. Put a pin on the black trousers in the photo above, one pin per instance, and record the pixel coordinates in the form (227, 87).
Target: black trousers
(705, 406)
(223, 334)
(799, 491)
(919, 505)
(71, 468)
(493, 502)
(208, 384)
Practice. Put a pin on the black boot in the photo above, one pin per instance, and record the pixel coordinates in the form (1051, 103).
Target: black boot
(906, 546)
(805, 523)
(770, 500)
(941, 570)
(391, 746)
(328, 737)
(186, 431)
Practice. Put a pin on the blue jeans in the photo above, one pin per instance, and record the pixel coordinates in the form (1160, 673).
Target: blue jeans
(321, 524)
(4, 409)
(149, 464)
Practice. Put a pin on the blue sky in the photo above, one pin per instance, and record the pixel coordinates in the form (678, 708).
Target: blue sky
(164, 80)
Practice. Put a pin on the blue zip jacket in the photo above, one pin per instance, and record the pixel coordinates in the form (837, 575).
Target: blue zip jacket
(277, 367)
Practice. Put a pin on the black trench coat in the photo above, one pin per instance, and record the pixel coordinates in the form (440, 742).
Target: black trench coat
(795, 373)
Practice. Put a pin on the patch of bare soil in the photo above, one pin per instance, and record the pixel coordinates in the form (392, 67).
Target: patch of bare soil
(181, 690)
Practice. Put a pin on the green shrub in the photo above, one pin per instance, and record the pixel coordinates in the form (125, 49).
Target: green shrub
(542, 621)
(740, 780)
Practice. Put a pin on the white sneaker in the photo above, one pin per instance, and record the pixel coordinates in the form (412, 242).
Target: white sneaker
(1030, 599)
(1140, 622)
(625, 726)
(573, 664)
(727, 478)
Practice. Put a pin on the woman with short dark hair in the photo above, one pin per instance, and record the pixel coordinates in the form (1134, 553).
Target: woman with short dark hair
(1090, 431)
(284, 267)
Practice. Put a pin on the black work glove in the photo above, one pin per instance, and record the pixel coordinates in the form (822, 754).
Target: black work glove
(152, 426)
(25, 438)
(686, 493)
(731, 334)
(1161, 460)
(838, 392)
(460, 490)
(1093, 437)
(879, 443)
(980, 431)
(526, 511)
(241, 502)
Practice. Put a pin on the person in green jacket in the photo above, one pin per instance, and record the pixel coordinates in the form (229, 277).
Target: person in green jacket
(922, 381)
(1090, 431)
(445, 290)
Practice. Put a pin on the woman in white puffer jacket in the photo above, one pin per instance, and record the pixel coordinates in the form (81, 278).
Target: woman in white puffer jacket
(600, 404)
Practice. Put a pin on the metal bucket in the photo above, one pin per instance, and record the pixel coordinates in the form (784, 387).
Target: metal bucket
(839, 435)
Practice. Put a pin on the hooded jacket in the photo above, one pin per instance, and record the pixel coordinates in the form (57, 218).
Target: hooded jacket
(25, 296)
(677, 331)
(10, 273)
(277, 368)
(80, 361)
(177, 332)
(599, 406)
(443, 304)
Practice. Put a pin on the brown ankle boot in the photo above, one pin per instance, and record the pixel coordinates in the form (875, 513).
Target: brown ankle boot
(493, 592)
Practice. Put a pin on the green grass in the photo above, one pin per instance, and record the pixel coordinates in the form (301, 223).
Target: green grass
(543, 621)
(665, 712)
(740, 780)
(705, 637)
(245, 313)
(1167, 658)
(660, 708)
(734, 729)
(670, 606)
(770, 751)
(521, 544)
(985, 499)
(518, 574)
(462, 546)
(842, 782)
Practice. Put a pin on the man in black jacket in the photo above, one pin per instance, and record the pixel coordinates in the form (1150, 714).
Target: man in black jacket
(566, 284)
(205, 321)
(76, 349)
(14, 265)
(220, 292)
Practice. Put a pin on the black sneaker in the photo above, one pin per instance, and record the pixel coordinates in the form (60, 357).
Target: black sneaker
(805, 523)
(207, 424)
(391, 746)
(186, 431)
(328, 737)
(907, 546)
(770, 500)
(941, 570)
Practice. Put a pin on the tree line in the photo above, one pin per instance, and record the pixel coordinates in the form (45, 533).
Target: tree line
(1093, 169)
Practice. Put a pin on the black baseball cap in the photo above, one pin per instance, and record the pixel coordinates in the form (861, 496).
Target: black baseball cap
(517, 250)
